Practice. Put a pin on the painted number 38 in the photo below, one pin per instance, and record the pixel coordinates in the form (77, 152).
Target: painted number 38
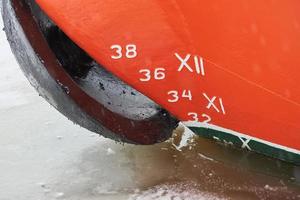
(130, 51)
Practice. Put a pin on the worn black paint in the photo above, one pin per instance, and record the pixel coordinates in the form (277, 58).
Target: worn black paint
(82, 96)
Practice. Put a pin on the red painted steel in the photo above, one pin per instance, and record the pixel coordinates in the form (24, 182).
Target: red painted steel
(248, 81)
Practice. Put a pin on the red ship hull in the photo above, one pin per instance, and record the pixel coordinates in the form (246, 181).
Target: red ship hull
(228, 69)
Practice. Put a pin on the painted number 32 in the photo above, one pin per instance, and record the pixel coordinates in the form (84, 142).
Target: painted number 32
(204, 118)
(130, 51)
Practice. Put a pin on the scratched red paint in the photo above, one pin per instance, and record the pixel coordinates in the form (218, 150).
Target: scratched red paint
(248, 81)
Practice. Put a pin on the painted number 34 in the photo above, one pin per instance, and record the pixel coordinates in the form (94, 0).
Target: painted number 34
(175, 95)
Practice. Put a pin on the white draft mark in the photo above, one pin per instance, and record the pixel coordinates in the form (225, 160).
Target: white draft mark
(212, 103)
(196, 117)
(198, 64)
(130, 51)
(245, 142)
(156, 74)
(175, 95)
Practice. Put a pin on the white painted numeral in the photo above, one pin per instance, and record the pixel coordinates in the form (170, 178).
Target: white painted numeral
(212, 104)
(147, 75)
(131, 51)
(187, 94)
(158, 74)
(118, 50)
(198, 64)
(206, 117)
(195, 117)
(183, 62)
(175, 95)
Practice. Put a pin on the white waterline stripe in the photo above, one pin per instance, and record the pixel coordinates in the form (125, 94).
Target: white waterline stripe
(221, 129)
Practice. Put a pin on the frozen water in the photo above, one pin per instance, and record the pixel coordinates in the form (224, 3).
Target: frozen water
(45, 156)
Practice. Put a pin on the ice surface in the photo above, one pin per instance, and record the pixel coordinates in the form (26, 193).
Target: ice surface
(45, 156)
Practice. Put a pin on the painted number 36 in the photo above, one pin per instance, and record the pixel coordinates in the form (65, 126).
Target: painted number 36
(156, 74)
(130, 51)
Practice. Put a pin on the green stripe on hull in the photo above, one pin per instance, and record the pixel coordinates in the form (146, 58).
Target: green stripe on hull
(252, 145)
